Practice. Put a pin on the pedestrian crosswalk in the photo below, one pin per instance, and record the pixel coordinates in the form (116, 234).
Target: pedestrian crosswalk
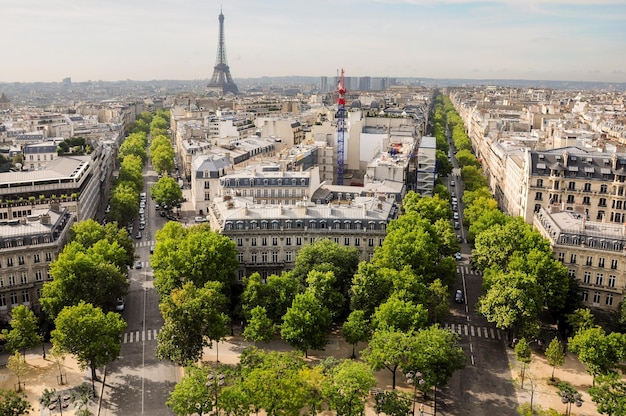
(139, 336)
(475, 331)
(466, 269)
(146, 243)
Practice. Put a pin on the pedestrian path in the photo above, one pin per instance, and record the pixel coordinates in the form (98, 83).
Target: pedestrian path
(467, 270)
(475, 331)
(139, 336)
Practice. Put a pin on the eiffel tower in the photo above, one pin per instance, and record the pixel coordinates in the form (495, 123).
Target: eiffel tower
(222, 81)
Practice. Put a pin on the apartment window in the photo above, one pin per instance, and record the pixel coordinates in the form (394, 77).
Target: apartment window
(612, 280)
(3, 301)
(48, 255)
(370, 242)
(14, 299)
(586, 200)
(587, 187)
(336, 239)
(556, 185)
(540, 183)
(596, 298)
(264, 257)
(23, 278)
(240, 257)
(602, 202)
(589, 261)
(36, 258)
(572, 259)
(587, 278)
(38, 276)
(585, 296)
(572, 273)
(253, 257)
(25, 296)
(603, 189)
(240, 275)
(274, 241)
(600, 215)
(274, 256)
(571, 186)
(10, 262)
(287, 241)
(239, 242)
(264, 241)
(11, 280)
(599, 279)
(357, 241)
(538, 196)
(601, 262)
(561, 257)
(346, 241)
(253, 241)
(609, 299)
(570, 199)
(288, 255)
(298, 241)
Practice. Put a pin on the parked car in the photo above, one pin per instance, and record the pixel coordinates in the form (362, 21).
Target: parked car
(119, 304)
(200, 219)
(138, 235)
(457, 226)
(455, 207)
(455, 216)
(151, 249)
(452, 183)
(458, 255)
(138, 264)
(458, 296)
(142, 225)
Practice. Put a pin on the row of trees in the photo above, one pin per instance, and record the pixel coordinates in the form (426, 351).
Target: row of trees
(522, 278)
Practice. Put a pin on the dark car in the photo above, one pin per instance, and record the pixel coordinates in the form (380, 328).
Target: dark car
(458, 296)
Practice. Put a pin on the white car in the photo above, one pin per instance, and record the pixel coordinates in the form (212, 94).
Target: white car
(200, 219)
(120, 304)
(458, 255)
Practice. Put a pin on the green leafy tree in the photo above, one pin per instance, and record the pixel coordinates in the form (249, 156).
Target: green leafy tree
(306, 323)
(273, 381)
(123, 203)
(597, 350)
(24, 331)
(326, 255)
(163, 158)
(134, 144)
(399, 314)
(323, 285)
(436, 353)
(444, 166)
(276, 294)
(555, 355)
(260, 327)
(473, 177)
(13, 403)
(87, 333)
(88, 233)
(347, 386)
(513, 302)
(523, 355)
(371, 286)
(84, 275)
(393, 403)
(166, 191)
(194, 318)
(48, 396)
(192, 254)
(387, 349)
(609, 394)
(80, 397)
(356, 329)
(437, 302)
(191, 395)
(131, 171)
(580, 320)
(467, 158)
(18, 366)
(431, 208)
(621, 316)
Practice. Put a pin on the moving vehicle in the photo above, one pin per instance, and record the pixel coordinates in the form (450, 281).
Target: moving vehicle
(458, 255)
(458, 296)
(138, 235)
(138, 264)
(120, 304)
(452, 183)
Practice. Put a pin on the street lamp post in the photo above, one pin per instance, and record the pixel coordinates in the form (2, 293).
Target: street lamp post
(415, 378)
(216, 380)
(569, 397)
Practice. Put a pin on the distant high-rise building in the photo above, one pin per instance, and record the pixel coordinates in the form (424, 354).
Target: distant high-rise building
(67, 82)
(324, 84)
(222, 81)
(365, 83)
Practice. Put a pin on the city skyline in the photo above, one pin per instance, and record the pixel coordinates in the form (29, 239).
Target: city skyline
(568, 40)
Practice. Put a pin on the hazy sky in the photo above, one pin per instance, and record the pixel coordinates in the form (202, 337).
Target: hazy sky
(47, 40)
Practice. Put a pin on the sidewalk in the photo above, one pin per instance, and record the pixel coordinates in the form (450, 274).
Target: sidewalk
(45, 374)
